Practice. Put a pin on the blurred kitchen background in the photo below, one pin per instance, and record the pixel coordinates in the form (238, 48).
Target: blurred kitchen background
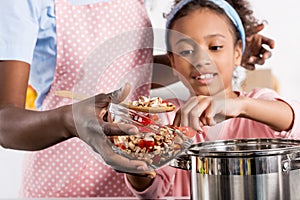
(282, 17)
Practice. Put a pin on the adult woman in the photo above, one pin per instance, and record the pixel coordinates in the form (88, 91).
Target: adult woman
(60, 39)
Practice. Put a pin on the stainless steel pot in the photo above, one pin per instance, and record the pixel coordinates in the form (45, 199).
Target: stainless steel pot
(243, 169)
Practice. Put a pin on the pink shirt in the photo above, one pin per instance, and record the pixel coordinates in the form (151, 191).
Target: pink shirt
(176, 182)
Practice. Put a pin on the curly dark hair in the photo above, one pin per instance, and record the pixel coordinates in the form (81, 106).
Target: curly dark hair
(242, 7)
(245, 12)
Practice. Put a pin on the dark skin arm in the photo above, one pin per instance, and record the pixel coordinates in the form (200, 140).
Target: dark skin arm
(21, 129)
(256, 53)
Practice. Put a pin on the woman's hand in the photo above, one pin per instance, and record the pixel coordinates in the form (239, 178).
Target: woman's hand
(89, 122)
(255, 52)
(141, 181)
(201, 111)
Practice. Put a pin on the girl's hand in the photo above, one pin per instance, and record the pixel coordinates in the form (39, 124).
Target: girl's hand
(88, 119)
(201, 111)
(255, 52)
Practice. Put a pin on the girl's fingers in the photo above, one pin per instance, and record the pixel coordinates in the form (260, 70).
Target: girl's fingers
(209, 116)
(198, 114)
(186, 111)
(194, 120)
(177, 120)
(203, 120)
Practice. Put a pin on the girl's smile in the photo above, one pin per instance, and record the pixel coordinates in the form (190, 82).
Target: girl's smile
(204, 78)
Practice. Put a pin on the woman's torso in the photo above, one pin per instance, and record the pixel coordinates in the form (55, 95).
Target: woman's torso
(90, 40)
(43, 62)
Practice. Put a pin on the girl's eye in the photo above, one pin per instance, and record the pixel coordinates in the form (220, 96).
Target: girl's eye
(186, 52)
(216, 48)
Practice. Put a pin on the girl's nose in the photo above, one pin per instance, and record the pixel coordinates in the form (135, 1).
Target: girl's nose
(202, 59)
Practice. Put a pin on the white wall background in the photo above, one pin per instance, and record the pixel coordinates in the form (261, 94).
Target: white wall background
(284, 20)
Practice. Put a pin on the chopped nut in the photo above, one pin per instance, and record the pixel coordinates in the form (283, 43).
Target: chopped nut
(131, 145)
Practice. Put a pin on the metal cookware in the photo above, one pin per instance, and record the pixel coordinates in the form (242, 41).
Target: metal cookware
(243, 169)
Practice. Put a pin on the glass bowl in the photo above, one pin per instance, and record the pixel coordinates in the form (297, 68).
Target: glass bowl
(155, 144)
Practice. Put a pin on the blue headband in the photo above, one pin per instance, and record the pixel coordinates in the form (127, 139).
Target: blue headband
(229, 10)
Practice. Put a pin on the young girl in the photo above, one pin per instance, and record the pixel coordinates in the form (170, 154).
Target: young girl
(206, 40)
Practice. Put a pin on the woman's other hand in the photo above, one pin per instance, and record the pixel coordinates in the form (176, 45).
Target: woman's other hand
(141, 181)
(255, 52)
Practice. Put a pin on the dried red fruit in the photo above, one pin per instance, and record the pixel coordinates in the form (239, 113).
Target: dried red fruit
(143, 120)
(121, 146)
(148, 144)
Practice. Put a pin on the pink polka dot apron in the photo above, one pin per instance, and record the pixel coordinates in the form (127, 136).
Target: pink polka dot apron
(100, 46)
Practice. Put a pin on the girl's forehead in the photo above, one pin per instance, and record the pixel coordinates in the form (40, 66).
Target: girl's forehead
(200, 16)
(200, 23)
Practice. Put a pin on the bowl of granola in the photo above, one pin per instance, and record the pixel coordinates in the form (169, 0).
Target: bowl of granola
(156, 144)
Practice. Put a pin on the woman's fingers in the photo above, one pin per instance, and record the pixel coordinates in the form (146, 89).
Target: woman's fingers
(124, 164)
(268, 41)
(149, 174)
(120, 163)
(113, 129)
(102, 100)
(257, 51)
(260, 60)
(120, 95)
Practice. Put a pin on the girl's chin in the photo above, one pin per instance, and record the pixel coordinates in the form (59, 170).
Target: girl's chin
(205, 91)
(202, 92)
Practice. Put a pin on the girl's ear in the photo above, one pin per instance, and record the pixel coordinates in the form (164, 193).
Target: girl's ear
(238, 53)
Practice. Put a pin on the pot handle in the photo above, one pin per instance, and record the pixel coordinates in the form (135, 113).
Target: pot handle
(291, 163)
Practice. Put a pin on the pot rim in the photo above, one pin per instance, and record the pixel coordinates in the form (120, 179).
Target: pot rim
(210, 148)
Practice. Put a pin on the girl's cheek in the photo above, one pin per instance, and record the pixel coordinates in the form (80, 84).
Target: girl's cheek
(182, 61)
